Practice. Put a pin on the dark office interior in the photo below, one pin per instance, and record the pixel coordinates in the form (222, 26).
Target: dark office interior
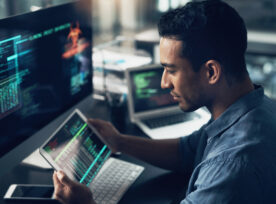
(61, 55)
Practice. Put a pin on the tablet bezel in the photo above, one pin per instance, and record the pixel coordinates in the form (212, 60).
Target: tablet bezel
(49, 159)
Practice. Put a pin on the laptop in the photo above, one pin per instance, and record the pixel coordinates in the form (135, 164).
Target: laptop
(153, 109)
(77, 149)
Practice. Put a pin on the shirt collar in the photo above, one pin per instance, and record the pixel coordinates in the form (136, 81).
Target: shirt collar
(235, 111)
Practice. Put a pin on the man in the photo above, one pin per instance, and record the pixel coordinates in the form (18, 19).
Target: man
(231, 159)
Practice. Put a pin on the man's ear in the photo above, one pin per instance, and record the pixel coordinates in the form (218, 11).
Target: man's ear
(213, 71)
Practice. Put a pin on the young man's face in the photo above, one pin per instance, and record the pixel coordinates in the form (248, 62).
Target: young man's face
(185, 84)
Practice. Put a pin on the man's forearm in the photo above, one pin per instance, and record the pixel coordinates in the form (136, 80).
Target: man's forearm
(161, 153)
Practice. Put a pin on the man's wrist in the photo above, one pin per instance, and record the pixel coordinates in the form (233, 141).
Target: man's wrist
(121, 143)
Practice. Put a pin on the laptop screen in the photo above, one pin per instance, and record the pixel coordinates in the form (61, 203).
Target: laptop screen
(146, 90)
(77, 150)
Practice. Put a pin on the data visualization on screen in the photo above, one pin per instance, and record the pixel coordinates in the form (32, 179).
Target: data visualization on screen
(9, 77)
(45, 68)
(77, 150)
(146, 90)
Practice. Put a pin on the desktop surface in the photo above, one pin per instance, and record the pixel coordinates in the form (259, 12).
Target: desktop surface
(154, 185)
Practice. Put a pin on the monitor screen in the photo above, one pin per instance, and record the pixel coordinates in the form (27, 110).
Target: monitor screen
(45, 68)
(147, 92)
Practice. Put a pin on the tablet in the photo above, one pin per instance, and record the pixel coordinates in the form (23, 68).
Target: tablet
(76, 148)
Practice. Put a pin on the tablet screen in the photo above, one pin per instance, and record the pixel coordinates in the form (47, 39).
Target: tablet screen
(77, 150)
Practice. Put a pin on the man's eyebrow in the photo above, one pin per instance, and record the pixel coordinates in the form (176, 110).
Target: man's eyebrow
(168, 65)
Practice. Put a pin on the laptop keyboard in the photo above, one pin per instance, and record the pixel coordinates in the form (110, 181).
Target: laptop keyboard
(113, 180)
(170, 120)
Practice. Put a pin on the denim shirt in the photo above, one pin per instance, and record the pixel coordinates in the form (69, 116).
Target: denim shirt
(233, 159)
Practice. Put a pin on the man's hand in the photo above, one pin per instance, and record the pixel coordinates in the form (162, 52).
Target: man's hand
(111, 136)
(71, 192)
(161, 153)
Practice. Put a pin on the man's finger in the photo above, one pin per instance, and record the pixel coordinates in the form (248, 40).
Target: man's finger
(64, 179)
(58, 186)
(56, 180)
(95, 122)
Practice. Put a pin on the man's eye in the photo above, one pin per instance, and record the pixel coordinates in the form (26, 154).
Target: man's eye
(171, 71)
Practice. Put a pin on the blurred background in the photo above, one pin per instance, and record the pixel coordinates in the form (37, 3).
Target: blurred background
(113, 17)
(131, 25)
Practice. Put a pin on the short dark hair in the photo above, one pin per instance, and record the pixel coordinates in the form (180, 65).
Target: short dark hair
(209, 30)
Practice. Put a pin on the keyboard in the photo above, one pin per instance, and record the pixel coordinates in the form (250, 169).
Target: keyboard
(113, 180)
(170, 120)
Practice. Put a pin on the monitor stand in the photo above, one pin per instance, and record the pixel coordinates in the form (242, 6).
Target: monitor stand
(36, 160)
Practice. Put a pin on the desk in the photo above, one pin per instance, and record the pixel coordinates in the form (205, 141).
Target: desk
(155, 185)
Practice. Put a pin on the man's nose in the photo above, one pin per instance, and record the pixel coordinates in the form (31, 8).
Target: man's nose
(165, 81)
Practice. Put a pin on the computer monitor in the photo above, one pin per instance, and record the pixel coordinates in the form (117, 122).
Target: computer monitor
(45, 68)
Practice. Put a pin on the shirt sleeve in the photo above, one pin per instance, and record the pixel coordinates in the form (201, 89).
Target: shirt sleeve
(191, 150)
(230, 181)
